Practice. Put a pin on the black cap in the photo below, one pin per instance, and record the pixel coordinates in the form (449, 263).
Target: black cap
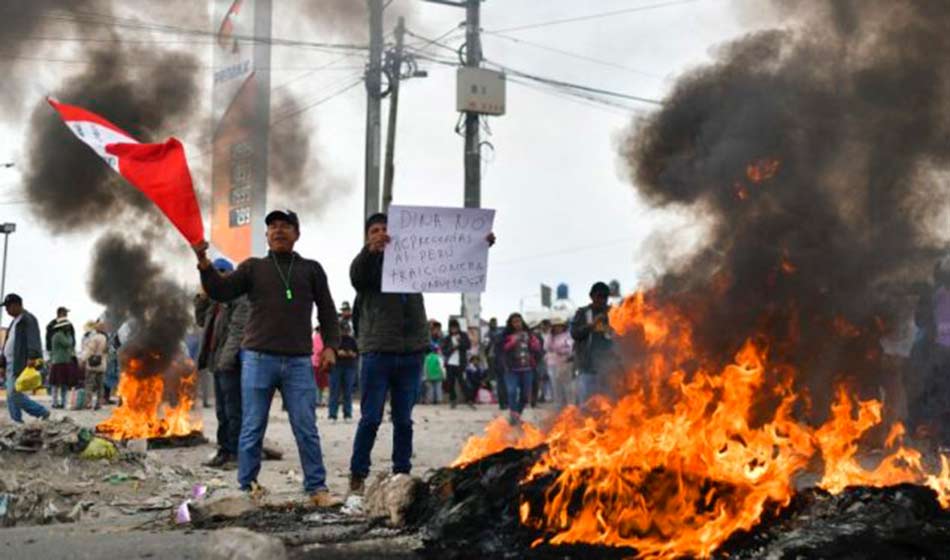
(284, 215)
(12, 298)
(600, 288)
(61, 310)
(377, 218)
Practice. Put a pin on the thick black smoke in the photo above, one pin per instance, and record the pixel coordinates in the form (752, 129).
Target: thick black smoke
(817, 151)
(131, 285)
(68, 185)
(151, 93)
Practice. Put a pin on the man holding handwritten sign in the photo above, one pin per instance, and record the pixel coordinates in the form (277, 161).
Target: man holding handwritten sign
(430, 250)
(437, 250)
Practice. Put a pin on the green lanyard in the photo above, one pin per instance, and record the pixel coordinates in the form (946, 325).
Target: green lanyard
(285, 279)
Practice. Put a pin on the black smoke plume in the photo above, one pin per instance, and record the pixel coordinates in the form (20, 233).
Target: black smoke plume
(151, 93)
(817, 151)
(68, 185)
(131, 285)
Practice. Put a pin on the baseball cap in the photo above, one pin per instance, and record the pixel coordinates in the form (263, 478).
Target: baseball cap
(600, 288)
(60, 310)
(288, 216)
(223, 265)
(12, 298)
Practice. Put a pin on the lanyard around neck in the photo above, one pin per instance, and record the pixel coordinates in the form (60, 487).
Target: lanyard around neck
(285, 279)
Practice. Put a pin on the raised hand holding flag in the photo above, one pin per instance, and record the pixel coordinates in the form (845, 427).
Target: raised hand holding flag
(159, 171)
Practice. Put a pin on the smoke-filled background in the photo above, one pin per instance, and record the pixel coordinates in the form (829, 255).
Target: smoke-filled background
(153, 87)
(817, 153)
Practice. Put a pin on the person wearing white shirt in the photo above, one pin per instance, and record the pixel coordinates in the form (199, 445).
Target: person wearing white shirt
(23, 348)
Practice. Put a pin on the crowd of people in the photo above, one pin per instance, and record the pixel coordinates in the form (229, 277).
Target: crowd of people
(77, 372)
(520, 365)
(255, 336)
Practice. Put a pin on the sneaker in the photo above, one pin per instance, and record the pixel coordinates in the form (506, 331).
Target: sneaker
(472, 406)
(323, 498)
(332, 419)
(347, 419)
(357, 484)
(514, 419)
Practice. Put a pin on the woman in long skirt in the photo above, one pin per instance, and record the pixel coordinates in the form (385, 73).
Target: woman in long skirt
(64, 372)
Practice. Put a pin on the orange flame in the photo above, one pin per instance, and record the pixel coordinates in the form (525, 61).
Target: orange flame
(684, 460)
(762, 170)
(142, 398)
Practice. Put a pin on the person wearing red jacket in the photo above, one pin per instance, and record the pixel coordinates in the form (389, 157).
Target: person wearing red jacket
(521, 350)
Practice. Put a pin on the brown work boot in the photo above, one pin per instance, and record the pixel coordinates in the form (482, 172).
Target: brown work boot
(323, 498)
(357, 484)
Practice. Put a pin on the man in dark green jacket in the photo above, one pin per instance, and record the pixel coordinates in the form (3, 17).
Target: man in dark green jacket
(393, 336)
(23, 348)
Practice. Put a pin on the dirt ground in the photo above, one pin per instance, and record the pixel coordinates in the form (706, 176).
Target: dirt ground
(439, 435)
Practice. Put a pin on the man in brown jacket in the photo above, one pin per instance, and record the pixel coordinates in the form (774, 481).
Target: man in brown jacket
(282, 289)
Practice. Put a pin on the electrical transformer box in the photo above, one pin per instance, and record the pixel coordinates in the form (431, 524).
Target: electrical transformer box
(481, 91)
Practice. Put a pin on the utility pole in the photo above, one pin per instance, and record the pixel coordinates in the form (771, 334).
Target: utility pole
(471, 303)
(6, 229)
(373, 99)
(473, 58)
(395, 70)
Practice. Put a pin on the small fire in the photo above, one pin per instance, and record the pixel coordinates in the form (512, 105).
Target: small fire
(144, 412)
(687, 458)
(762, 170)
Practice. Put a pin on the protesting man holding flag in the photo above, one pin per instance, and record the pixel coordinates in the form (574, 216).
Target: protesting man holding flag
(282, 289)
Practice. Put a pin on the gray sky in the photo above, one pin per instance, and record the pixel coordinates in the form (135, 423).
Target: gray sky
(566, 211)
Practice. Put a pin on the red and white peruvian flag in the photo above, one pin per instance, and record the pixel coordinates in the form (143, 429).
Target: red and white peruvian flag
(160, 171)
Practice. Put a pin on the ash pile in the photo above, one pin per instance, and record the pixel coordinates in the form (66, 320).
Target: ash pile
(473, 512)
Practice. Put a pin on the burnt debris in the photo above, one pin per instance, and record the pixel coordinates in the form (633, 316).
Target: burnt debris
(472, 512)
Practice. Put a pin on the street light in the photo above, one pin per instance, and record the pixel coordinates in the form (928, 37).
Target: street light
(6, 229)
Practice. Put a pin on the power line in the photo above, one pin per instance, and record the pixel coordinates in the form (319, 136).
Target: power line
(184, 66)
(576, 97)
(574, 55)
(591, 16)
(588, 89)
(98, 19)
(542, 79)
(309, 106)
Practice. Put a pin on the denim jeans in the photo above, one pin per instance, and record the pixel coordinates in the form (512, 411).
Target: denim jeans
(17, 403)
(518, 381)
(398, 375)
(342, 379)
(227, 409)
(261, 375)
(434, 391)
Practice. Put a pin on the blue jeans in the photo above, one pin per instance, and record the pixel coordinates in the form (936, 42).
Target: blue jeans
(261, 374)
(17, 403)
(397, 374)
(342, 379)
(518, 381)
(227, 409)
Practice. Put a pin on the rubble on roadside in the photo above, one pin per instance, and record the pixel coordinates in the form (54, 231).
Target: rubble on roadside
(61, 472)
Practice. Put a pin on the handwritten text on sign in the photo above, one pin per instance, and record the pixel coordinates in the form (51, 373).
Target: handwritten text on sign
(437, 249)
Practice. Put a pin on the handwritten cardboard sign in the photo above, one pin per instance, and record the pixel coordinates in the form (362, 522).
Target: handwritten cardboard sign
(437, 249)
